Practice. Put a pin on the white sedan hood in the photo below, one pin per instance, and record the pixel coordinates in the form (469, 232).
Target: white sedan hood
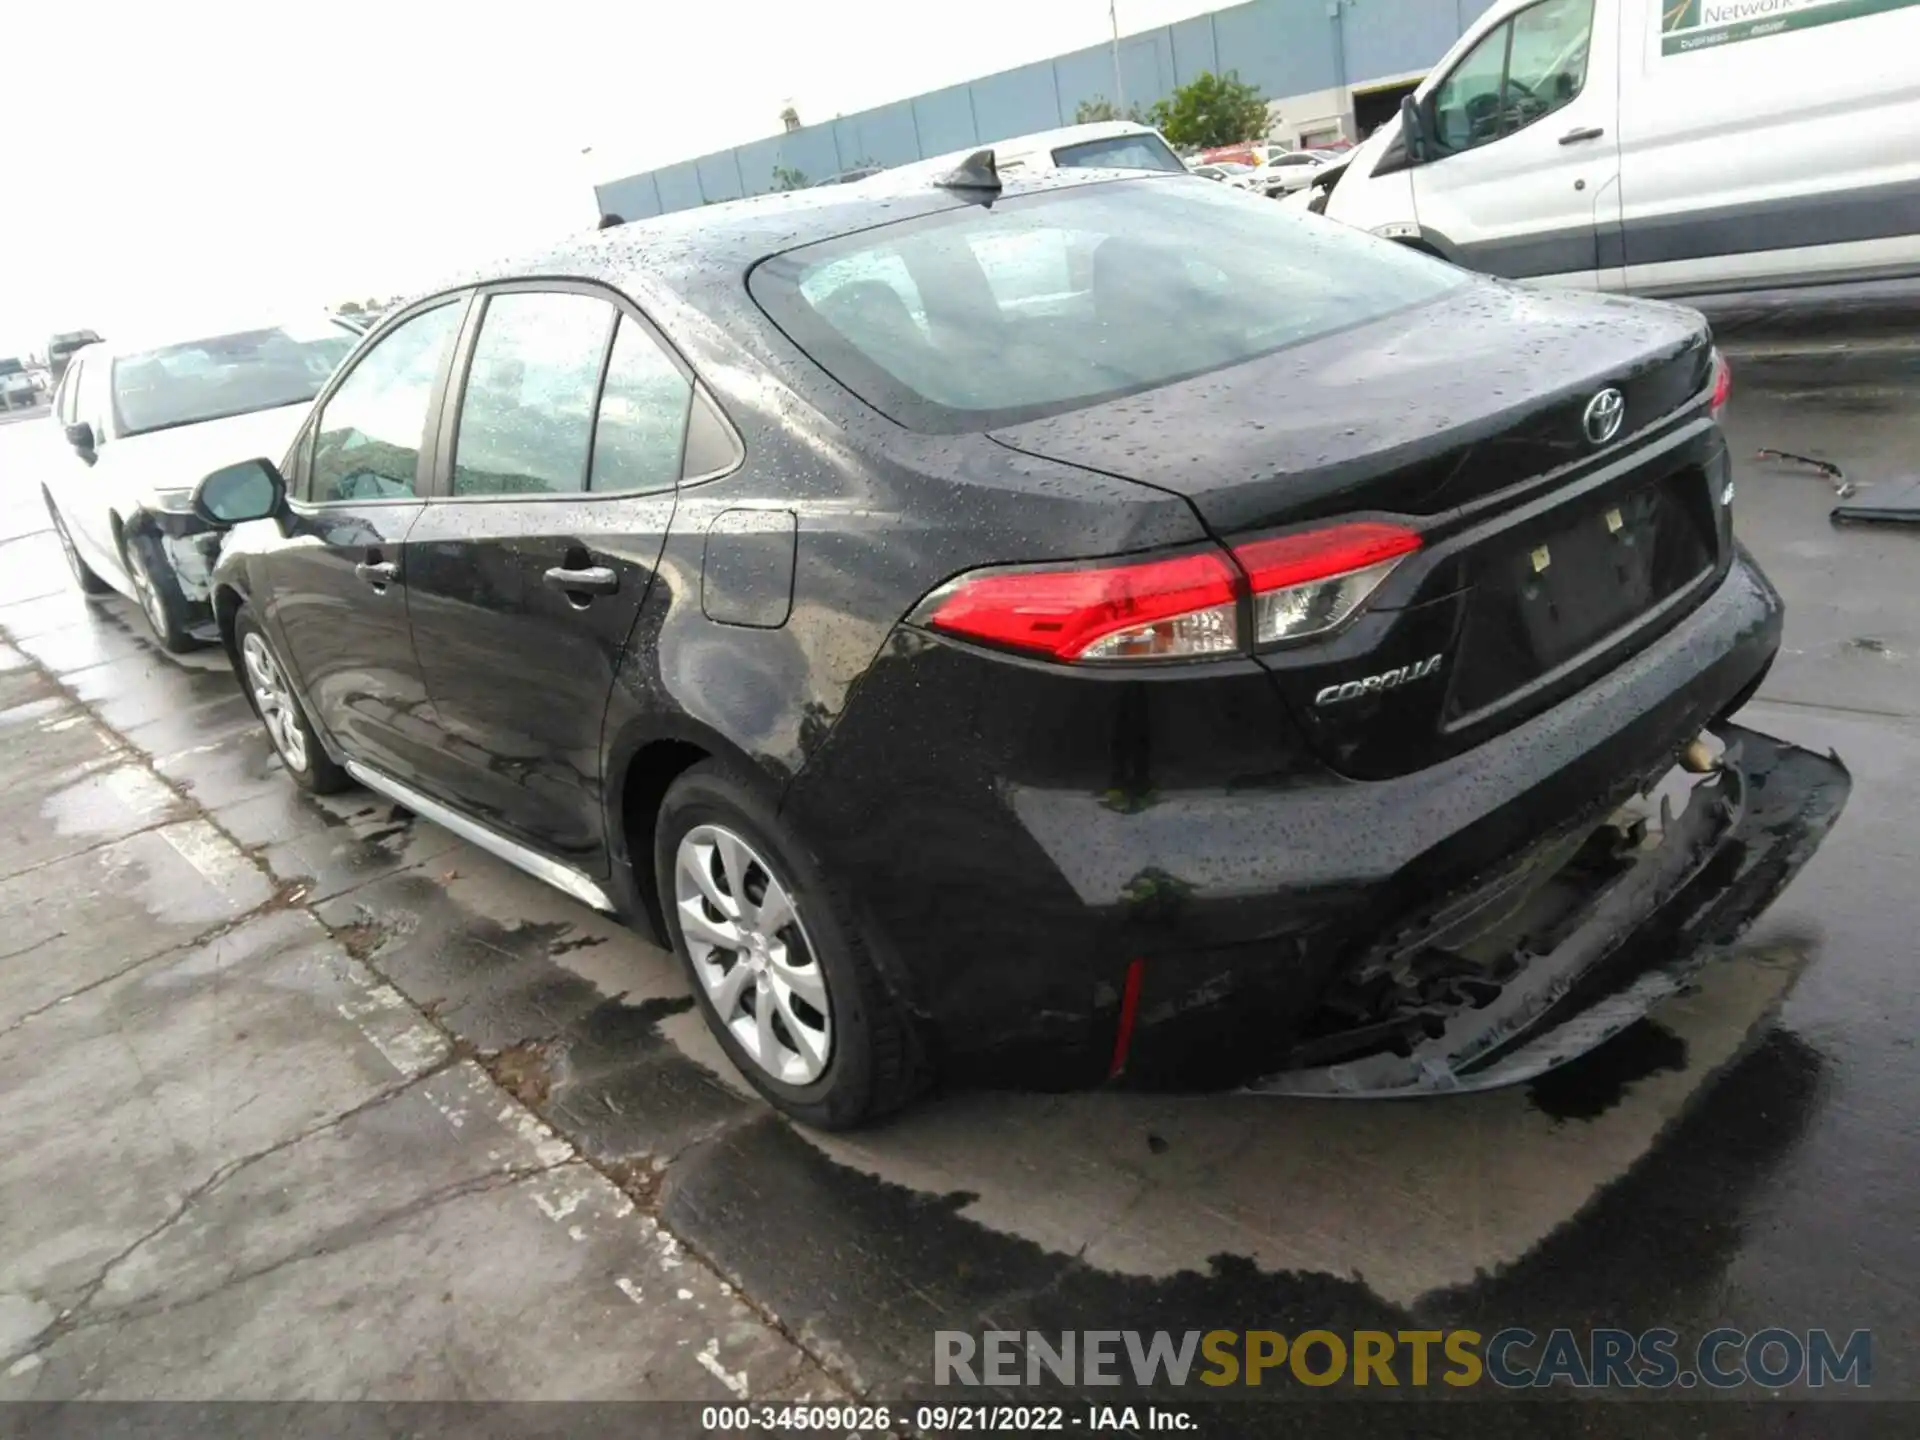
(177, 459)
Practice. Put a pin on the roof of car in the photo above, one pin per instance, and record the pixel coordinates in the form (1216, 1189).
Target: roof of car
(688, 251)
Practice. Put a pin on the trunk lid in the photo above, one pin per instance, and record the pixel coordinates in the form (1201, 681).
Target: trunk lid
(1548, 557)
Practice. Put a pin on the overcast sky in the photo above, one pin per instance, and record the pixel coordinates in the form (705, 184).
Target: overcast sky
(212, 154)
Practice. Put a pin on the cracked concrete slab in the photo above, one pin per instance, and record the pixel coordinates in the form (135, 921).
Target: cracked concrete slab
(236, 1163)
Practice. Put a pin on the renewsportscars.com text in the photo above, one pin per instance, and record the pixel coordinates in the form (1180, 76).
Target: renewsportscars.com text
(1511, 1358)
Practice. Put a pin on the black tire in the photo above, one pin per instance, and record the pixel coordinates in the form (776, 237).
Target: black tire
(157, 588)
(876, 1062)
(312, 769)
(83, 573)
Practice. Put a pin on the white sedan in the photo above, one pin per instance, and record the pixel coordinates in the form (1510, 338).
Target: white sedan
(1288, 171)
(143, 421)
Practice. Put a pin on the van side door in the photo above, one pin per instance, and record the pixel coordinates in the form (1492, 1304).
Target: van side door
(1521, 174)
(1768, 146)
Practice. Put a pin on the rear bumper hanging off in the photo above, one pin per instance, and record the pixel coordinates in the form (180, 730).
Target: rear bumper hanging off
(1692, 887)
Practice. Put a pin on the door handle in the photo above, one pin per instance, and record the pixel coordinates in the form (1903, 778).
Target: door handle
(378, 574)
(589, 580)
(1586, 132)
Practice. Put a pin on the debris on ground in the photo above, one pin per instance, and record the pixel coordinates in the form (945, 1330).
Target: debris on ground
(1842, 486)
(524, 1071)
(1898, 504)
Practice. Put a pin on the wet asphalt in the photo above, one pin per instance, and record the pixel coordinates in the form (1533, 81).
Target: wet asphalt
(1745, 1158)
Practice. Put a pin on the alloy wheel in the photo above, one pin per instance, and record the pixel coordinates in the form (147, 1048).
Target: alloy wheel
(146, 590)
(752, 956)
(275, 701)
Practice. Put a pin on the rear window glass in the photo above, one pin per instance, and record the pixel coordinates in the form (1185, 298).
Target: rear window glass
(979, 317)
(1120, 152)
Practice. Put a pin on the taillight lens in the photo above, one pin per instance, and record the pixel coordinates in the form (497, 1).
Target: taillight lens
(1169, 609)
(1722, 384)
(1310, 583)
(1182, 607)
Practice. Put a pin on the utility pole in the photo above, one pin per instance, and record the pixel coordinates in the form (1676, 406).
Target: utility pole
(1119, 86)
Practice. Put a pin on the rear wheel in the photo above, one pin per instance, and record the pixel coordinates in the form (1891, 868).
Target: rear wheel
(279, 709)
(157, 588)
(779, 967)
(83, 573)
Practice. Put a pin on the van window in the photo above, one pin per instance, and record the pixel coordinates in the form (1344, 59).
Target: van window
(1520, 72)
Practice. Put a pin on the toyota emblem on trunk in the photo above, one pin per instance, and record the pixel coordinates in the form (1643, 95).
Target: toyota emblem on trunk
(1605, 411)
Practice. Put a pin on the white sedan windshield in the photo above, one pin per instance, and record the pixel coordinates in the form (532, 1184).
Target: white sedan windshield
(223, 375)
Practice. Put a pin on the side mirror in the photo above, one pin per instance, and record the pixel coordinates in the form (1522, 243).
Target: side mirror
(80, 437)
(1413, 131)
(233, 494)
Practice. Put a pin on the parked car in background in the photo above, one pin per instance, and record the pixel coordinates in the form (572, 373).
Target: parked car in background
(906, 601)
(1659, 148)
(1286, 171)
(1313, 195)
(62, 347)
(17, 390)
(1101, 145)
(1237, 175)
(141, 420)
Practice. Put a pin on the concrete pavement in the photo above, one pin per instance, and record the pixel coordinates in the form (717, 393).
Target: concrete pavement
(233, 1161)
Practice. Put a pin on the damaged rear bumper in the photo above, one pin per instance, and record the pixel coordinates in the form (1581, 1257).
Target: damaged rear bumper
(1540, 966)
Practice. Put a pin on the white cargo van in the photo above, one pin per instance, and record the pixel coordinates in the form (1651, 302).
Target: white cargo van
(1663, 147)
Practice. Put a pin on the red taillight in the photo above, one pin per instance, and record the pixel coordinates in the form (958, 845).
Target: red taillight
(1158, 609)
(1182, 607)
(1722, 384)
(1310, 583)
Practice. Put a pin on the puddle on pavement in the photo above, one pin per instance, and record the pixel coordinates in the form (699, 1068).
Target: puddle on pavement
(109, 802)
(1409, 1196)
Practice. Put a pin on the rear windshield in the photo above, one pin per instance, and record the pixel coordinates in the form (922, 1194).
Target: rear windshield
(986, 316)
(223, 375)
(1120, 152)
(11, 367)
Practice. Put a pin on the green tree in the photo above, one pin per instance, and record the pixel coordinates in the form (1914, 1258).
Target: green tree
(1212, 110)
(785, 177)
(1101, 108)
(353, 307)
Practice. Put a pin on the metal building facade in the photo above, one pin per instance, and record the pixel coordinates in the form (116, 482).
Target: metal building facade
(1289, 48)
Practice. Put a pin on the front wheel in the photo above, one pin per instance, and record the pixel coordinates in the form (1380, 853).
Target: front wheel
(157, 588)
(779, 966)
(271, 693)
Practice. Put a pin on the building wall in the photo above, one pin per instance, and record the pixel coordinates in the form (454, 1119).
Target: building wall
(1304, 58)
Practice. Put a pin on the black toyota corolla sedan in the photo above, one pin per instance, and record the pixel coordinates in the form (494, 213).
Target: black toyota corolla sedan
(909, 602)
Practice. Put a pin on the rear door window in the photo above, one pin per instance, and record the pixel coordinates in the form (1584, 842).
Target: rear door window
(527, 415)
(641, 433)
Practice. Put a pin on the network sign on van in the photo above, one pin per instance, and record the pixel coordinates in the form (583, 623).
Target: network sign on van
(1692, 24)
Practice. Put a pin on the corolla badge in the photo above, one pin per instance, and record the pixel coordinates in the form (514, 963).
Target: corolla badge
(1374, 684)
(1605, 411)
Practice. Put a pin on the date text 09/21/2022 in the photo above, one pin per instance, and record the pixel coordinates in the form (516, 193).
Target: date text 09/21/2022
(944, 1419)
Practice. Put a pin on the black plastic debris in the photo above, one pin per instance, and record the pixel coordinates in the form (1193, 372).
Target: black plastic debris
(1842, 486)
(1894, 503)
